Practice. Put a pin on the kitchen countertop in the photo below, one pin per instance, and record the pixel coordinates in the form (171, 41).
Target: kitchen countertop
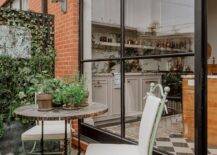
(192, 76)
(127, 74)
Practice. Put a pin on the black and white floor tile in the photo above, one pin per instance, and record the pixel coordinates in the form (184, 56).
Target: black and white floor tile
(177, 145)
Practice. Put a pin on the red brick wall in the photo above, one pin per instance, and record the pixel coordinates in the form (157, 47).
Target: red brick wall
(66, 35)
(1, 2)
(66, 41)
(35, 5)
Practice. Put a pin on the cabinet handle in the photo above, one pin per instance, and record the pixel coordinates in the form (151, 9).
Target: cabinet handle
(98, 86)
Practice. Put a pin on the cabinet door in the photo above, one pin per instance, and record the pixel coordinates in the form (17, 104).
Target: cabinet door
(100, 91)
(116, 100)
(132, 95)
(145, 86)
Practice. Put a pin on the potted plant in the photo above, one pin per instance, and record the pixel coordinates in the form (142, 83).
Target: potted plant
(44, 92)
(80, 95)
(70, 96)
(59, 97)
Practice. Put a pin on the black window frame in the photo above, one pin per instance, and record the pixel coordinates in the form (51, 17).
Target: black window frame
(200, 56)
(200, 77)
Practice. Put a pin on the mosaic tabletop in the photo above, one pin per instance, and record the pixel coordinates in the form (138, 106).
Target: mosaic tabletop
(31, 111)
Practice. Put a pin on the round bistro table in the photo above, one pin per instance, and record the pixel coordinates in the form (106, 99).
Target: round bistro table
(31, 111)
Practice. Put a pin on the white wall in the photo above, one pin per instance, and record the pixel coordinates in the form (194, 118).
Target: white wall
(106, 11)
(177, 15)
(138, 13)
(16, 5)
(212, 27)
(88, 46)
(171, 14)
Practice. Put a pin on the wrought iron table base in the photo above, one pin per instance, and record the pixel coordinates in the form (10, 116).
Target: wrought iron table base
(65, 139)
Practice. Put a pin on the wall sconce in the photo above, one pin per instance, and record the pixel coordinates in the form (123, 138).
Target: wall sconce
(63, 4)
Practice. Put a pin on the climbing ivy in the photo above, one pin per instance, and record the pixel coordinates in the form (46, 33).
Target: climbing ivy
(18, 74)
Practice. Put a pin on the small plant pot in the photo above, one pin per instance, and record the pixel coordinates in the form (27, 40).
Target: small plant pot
(70, 107)
(44, 102)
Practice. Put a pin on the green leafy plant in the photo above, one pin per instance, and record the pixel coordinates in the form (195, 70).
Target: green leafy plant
(2, 130)
(59, 97)
(174, 81)
(76, 93)
(73, 92)
(47, 86)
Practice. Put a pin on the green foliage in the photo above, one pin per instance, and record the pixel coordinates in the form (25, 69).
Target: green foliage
(174, 81)
(17, 75)
(72, 92)
(59, 97)
(76, 93)
(47, 86)
(1, 126)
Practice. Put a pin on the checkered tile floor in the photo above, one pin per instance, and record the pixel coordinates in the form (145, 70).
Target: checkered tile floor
(169, 136)
(177, 145)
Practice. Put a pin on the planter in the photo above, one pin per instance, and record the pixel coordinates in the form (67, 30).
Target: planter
(44, 102)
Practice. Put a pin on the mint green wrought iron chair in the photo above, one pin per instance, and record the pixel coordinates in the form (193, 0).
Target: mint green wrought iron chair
(151, 116)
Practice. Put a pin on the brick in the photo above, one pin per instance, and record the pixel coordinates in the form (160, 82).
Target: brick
(2, 2)
(66, 35)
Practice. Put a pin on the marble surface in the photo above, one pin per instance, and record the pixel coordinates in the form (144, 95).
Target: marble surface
(31, 111)
(15, 41)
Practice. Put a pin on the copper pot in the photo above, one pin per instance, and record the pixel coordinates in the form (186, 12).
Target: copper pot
(44, 102)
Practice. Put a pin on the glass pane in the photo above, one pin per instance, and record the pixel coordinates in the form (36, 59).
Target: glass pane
(102, 32)
(212, 66)
(103, 82)
(159, 27)
(156, 27)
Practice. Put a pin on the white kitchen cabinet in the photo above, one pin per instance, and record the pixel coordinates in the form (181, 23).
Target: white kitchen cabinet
(136, 86)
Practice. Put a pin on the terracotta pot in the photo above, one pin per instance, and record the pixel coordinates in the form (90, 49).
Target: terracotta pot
(44, 102)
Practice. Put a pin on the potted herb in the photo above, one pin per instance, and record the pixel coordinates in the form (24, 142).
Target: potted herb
(59, 97)
(44, 92)
(76, 96)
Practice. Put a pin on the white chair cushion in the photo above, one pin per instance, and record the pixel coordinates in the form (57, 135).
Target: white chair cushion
(112, 149)
(51, 132)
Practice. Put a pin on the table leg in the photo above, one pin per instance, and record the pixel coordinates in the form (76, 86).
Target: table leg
(65, 140)
(42, 137)
(79, 136)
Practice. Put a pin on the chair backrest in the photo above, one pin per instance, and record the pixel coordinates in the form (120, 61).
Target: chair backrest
(150, 119)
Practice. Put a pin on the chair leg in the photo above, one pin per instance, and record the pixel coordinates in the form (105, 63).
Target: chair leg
(23, 146)
(33, 148)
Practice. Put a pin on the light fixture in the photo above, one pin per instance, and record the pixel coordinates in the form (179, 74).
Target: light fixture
(63, 4)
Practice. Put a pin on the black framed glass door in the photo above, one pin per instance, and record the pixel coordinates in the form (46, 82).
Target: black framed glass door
(123, 55)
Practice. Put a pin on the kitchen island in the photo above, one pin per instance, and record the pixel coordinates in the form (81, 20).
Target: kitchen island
(188, 107)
